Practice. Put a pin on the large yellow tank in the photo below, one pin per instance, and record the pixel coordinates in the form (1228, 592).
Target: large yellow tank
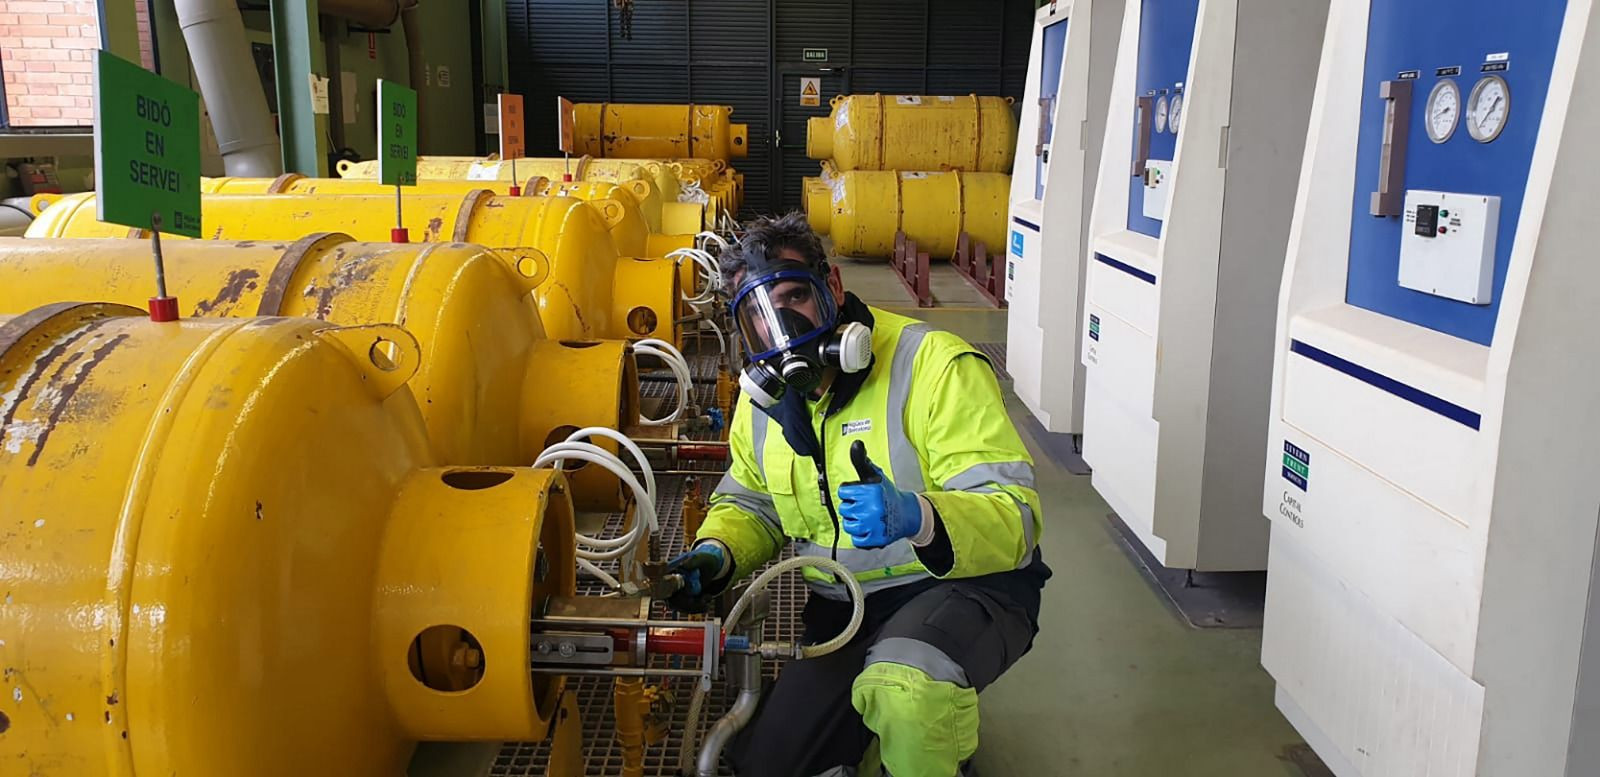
(482, 382)
(678, 216)
(228, 550)
(636, 234)
(571, 239)
(863, 209)
(621, 130)
(915, 132)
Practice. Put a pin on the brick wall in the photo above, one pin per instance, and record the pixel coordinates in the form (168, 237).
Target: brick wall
(46, 54)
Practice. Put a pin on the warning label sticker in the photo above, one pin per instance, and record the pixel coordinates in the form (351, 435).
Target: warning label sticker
(810, 91)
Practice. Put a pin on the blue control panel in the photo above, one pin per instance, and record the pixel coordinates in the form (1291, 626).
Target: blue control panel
(1166, 36)
(1466, 42)
(1055, 47)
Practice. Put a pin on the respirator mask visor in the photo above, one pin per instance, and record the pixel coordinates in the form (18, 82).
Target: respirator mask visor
(783, 312)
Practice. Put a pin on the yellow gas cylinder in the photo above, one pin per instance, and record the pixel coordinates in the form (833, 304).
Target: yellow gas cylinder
(677, 217)
(863, 209)
(294, 183)
(915, 132)
(636, 234)
(483, 382)
(229, 550)
(571, 239)
(659, 131)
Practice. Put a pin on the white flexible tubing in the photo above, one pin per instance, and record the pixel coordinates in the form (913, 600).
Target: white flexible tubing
(589, 566)
(617, 546)
(680, 369)
(591, 453)
(722, 342)
(633, 448)
(707, 269)
(708, 235)
(858, 600)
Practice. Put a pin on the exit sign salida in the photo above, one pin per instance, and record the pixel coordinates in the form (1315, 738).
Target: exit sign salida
(816, 55)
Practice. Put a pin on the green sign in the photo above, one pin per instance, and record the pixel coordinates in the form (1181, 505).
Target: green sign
(146, 148)
(815, 55)
(397, 134)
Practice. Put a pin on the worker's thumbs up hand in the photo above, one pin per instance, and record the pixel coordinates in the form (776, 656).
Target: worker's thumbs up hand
(875, 513)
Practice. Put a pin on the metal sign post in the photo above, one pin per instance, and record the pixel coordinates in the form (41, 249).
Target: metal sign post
(147, 159)
(397, 146)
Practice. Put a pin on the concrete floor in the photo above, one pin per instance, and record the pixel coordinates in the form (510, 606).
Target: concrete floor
(1116, 684)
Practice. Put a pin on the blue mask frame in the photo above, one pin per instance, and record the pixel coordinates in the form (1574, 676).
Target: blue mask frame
(830, 309)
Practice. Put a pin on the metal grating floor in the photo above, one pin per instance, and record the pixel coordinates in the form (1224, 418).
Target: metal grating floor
(602, 754)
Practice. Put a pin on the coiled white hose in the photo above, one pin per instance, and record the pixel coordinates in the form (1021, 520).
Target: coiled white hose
(858, 600)
(710, 275)
(664, 351)
(624, 548)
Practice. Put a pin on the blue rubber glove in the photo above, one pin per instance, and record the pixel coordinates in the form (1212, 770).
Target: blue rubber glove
(715, 414)
(876, 514)
(699, 567)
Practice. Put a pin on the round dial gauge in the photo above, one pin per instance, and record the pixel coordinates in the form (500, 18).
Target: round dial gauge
(1161, 114)
(1175, 112)
(1488, 107)
(1443, 110)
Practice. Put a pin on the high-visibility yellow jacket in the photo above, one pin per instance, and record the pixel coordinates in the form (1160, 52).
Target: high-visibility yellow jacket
(932, 417)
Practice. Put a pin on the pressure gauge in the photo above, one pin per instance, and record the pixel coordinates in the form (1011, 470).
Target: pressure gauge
(1488, 107)
(1443, 110)
(1161, 114)
(1175, 112)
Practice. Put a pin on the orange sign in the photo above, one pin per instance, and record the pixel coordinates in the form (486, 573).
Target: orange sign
(512, 135)
(566, 115)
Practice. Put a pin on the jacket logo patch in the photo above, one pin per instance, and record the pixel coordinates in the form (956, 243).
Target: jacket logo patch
(852, 427)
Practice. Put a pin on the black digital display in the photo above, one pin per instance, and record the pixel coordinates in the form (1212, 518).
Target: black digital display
(1428, 220)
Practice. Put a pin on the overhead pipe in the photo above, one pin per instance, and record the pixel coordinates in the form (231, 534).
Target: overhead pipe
(214, 33)
(417, 66)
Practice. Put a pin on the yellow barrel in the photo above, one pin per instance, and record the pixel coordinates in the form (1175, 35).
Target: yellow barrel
(620, 130)
(863, 209)
(678, 216)
(566, 235)
(229, 550)
(484, 353)
(637, 234)
(915, 132)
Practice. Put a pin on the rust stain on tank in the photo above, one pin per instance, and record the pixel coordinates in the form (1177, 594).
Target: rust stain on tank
(40, 366)
(344, 276)
(239, 281)
(431, 234)
(69, 390)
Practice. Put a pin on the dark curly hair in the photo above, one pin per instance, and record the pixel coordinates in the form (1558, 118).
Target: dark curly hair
(766, 237)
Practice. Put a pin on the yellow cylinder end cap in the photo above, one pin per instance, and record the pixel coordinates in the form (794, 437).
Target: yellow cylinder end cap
(819, 137)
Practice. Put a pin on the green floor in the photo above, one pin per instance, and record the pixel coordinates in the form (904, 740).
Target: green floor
(1116, 685)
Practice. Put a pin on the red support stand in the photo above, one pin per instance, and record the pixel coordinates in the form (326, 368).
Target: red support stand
(985, 273)
(911, 267)
(399, 235)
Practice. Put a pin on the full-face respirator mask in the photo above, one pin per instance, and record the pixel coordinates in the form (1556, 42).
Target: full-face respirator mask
(790, 325)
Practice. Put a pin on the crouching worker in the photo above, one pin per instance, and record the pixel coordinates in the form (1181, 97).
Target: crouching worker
(939, 519)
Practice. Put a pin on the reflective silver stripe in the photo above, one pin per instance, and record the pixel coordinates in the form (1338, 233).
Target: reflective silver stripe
(758, 440)
(858, 560)
(918, 655)
(1028, 527)
(838, 593)
(838, 771)
(986, 479)
(753, 502)
(905, 467)
(1004, 473)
